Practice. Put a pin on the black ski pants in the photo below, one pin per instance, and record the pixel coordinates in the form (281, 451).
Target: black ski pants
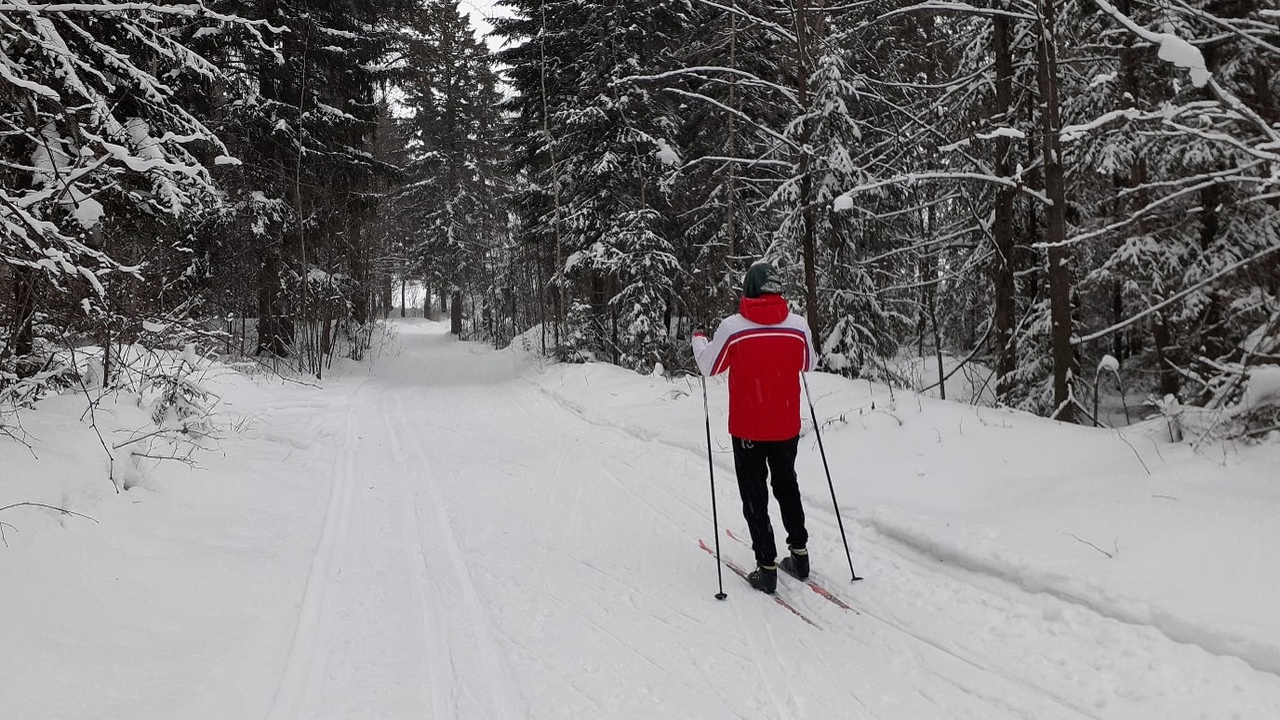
(754, 460)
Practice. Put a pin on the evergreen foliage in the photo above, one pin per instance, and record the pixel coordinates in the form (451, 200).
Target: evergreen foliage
(1031, 185)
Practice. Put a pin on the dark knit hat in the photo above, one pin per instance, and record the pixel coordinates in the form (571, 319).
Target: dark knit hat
(761, 279)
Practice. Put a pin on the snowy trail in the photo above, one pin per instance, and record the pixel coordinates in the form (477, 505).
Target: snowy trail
(488, 552)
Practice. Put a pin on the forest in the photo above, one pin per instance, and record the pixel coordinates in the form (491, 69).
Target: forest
(1076, 197)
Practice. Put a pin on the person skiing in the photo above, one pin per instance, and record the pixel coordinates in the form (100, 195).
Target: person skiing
(764, 348)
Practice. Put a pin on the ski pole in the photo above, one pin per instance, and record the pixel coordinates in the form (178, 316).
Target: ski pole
(711, 469)
(816, 431)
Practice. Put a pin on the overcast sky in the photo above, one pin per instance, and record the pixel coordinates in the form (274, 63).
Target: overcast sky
(480, 11)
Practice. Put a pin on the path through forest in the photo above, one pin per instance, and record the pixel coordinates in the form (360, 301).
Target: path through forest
(487, 552)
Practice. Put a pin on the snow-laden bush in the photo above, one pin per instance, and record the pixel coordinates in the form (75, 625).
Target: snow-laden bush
(1254, 412)
(1238, 399)
(175, 398)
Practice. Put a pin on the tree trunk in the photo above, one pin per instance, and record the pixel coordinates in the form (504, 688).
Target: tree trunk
(385, 281)
(455, 320)
(1131, 58)
(1212, 343)
(1056, 223)
(731, 145)
(807, 26)
(274, 329)
(561, 300)
(1119, 344)
(361, 273)
(1002, 232)
(1160, 335)
(24, 312)
(812, 309)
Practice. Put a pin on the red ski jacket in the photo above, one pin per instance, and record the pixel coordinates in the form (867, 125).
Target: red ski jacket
(764, 348)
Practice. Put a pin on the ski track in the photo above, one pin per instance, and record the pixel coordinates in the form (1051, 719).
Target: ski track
(435, 635)
(358, 648)
(479, 626)
(310, 634)
(499, 696)
(986, 658)
(1176, 630)
(759, 650)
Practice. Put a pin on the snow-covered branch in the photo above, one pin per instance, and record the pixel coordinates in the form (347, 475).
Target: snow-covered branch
(193, 10)
(1223, 272)
(844, 201)
(781, 31)
(701, 73)
(942, 6)
(783, 139)
(1173, 49)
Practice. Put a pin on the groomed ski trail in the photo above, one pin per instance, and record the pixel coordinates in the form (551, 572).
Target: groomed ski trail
(494, 554)
(390, 625)
(311, 632)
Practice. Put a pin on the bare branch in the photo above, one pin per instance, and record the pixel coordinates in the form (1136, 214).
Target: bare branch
(62, 510)
(1115, 546)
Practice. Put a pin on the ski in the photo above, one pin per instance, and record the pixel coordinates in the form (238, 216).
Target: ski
(737, 570)
(813, 584)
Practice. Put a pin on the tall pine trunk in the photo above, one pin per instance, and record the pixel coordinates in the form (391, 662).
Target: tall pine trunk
(808, 30)
(455, 319)
(1002, 232)
(274, 336)
(1060, 283)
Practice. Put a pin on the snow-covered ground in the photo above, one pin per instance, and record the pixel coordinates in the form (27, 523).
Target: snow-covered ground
(453, 532)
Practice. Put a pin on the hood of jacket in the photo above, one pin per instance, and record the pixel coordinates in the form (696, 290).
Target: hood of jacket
(768, 309)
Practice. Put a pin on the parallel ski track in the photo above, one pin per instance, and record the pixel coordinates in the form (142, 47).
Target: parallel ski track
(305, 661)
(922, 556)
(777, 686)
(1030, 687)
(826, 609)
(501, 688)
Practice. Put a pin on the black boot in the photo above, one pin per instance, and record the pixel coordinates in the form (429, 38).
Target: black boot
(764, 578)
(797, 563)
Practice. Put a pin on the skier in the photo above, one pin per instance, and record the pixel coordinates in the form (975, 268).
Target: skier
(764, 348)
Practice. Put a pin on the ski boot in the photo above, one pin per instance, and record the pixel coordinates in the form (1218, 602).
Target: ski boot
(764, 578)
(797, 563)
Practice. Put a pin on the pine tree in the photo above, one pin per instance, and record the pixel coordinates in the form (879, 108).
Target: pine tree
(452, 194)
(593, 144)
(305, 136)
(98, 141)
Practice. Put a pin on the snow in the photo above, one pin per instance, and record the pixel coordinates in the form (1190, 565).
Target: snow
(1005, 132)
(1183, 54)
(52, 163)
(449, 531)
(972, 383)
(1103, 79)
(87, 211)
(1173, 49)
(1262, 388)
(666, 154)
